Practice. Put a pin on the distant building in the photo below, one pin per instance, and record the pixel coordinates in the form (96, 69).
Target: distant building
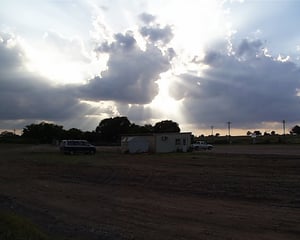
(156, 142)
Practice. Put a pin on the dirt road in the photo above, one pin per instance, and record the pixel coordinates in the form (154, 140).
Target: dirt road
(202, 195)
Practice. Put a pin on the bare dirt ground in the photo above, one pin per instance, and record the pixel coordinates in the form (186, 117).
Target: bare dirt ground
(232, 192)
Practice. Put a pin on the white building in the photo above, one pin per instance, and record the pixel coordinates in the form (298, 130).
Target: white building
(157, 142)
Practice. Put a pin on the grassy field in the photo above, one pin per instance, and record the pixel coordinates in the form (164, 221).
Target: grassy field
(231, 192)
(14, 227)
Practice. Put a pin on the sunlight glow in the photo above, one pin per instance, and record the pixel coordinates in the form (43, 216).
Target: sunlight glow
(195, 23)
(166, 106)
(101, 109)
(61, 68)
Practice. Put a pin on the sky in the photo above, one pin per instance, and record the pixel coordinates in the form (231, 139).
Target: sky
(200, 63)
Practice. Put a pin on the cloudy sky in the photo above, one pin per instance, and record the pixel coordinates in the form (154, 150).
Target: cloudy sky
(200, 63)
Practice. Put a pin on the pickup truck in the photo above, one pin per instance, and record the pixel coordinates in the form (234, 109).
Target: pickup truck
(202, 145)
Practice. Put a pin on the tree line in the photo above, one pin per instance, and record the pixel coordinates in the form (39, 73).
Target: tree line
(108, 131)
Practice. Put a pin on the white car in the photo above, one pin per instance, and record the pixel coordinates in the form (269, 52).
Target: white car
(202, 145)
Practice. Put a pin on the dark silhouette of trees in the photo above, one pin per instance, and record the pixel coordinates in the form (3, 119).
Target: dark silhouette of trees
(92, 136)
(273, 133)
(111, 129)
(9, 137)
(73, 133)
(257, 133)
(166, 126)
(295, 130)
(43, 132)
(148, 128)
(108, 131)
(7, 134)
(136, 129)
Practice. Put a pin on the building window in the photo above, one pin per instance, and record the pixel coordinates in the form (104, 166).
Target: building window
(177, 141)
(184, 141)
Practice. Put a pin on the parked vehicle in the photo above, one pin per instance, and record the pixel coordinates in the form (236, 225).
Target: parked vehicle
(202, 145)
(76, 146)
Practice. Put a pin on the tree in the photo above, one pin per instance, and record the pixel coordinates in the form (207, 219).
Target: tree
(7, 134)
(137, 129)
(273, 133)
(257, 133)
(166, 126)
(110, 129)
(148, 128)
(9, 137)
(92, 136)
(43, 132)
(295, 130)
(74, 133)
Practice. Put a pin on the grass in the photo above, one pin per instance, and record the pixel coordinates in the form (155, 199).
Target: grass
(14, 227)
(49, 156)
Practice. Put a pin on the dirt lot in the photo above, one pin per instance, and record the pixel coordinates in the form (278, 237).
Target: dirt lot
(232, 192)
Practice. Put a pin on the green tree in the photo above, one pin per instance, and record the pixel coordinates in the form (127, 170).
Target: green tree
(166, 126)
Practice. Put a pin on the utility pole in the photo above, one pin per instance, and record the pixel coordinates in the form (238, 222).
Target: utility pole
(283, 126)
(228, 126)
(229, 123)
(212, 130)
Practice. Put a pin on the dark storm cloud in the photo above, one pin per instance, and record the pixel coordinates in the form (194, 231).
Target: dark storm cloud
(24, 95)
(246, 88)
(131, 72)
